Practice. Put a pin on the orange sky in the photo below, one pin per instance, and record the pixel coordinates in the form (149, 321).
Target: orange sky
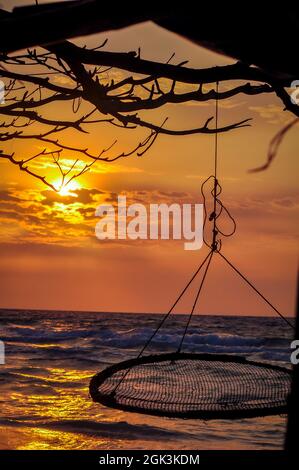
(50, 257)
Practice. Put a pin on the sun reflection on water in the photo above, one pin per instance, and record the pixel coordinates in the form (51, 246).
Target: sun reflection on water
(62, 399)
(48, 439)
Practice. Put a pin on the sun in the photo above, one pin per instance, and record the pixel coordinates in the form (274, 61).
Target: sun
(67, 189)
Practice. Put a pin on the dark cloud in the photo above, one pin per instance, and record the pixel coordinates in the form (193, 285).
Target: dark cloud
(174, 194)
(9, 214)
(286, 202)
(8, 196)
(113, 198)
(87, 212)
(83, 196)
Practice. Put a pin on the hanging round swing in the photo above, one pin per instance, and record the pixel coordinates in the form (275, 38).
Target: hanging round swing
(185, 385)
(190, 385)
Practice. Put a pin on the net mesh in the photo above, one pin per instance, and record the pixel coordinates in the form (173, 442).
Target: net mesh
(193, 385)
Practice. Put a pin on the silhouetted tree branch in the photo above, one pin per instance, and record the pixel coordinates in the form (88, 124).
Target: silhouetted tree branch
(73, 75)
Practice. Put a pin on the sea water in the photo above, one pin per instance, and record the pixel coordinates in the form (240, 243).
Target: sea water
(51, 356)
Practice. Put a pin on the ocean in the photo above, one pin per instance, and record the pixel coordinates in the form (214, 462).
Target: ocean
(50, 358)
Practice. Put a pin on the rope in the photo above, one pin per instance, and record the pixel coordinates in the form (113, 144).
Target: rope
(214, 231)
(195, 301)
(216, 133)
(165, 318)
(174, 305)
(215, 246)
(215, 215)
(257, 291)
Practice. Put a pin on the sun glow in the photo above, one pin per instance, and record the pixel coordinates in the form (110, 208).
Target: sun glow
(67, 189)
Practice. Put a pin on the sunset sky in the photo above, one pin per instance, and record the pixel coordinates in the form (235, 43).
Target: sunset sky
(51, 259)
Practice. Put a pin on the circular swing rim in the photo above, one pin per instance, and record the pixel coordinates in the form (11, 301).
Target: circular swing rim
(111, 401)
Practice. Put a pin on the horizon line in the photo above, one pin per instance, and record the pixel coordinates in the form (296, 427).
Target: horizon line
(138, 313)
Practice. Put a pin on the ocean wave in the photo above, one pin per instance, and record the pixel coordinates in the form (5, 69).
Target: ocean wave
(116, 430)
(93, 347)
(92, 339)
(206, 342)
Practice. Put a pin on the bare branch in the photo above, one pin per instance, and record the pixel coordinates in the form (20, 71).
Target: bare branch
(29, 97)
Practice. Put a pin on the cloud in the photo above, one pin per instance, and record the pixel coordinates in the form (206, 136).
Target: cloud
(225, 104)
(41, 218)
(8, 196)
(51, 218)
(287, 202)
(174, 194)
(273, 114)
(87, 212)
(114, 168)
(202, 178)
(8, 214)
(83, 196)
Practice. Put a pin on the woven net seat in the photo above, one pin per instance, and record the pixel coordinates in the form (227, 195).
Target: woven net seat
(187, 385)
